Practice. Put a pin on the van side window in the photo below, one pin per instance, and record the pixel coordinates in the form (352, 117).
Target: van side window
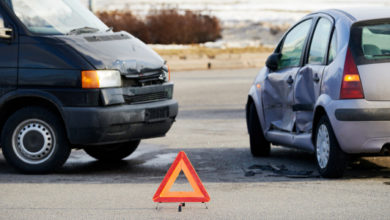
(332, 48)
(2, 23)
(320, 42)
(293, 45)
(3, 30)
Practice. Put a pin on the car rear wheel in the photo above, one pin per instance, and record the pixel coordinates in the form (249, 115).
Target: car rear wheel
(112, 152)
(258, 144)
(34, 140)
(331, 160)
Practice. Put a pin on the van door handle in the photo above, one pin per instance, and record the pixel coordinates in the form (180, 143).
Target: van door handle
(316, 79)
(290, 80)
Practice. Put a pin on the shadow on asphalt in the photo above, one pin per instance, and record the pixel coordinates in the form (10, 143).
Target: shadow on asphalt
(212, 165)
(207, 114)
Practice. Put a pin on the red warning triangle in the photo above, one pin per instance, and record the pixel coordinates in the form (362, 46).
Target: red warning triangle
(181, 163)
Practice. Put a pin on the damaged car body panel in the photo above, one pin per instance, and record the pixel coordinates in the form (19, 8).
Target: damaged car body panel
(278, 100)
(279, 91)
(305, 94)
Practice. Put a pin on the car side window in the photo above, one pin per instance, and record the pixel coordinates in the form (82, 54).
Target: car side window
(293, 45)
(320, 42)
(332, 48)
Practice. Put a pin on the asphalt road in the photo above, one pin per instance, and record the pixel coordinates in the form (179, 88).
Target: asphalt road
(211, 129)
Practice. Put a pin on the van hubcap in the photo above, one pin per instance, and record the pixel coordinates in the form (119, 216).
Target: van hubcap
(323, 146)
(33, 141)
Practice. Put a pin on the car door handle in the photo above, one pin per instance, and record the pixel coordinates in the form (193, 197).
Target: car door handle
(290, 80)
(316, 78)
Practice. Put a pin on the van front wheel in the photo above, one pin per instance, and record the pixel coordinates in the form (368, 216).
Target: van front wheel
(112, 152)
(34, 140)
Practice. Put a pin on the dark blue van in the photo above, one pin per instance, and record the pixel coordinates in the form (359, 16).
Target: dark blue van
(68, 81)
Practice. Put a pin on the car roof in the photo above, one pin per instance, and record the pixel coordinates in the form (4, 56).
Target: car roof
(359, 13)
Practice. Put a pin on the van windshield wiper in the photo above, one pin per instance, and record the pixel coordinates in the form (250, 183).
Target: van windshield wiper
(83, 30)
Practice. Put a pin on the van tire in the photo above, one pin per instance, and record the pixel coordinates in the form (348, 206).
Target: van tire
(327, 145)
(259, 146)
(34, 140)
(112, 152)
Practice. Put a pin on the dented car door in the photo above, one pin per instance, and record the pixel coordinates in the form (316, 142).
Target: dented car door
(308, 82)
(278, 97)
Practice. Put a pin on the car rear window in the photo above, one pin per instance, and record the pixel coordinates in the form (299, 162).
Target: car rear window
(371, 41)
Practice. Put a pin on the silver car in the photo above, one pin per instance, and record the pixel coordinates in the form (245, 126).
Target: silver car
(326, 89)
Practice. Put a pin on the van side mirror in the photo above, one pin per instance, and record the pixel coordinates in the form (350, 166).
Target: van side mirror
(5, 33)
(273, 61)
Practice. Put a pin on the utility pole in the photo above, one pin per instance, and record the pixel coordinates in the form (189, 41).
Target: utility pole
(90, 5)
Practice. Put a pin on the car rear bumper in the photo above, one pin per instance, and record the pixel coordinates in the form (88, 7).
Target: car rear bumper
(115, 124)
(360, 126)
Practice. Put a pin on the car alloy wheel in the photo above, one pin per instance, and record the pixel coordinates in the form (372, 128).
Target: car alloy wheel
(331, 160)
(323, 146)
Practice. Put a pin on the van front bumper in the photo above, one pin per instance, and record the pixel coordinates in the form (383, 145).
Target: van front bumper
(114, 124)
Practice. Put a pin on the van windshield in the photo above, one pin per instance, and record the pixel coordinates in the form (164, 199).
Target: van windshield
(372, 41)
(57, 17)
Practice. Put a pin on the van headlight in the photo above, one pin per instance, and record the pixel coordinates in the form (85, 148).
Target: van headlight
(94, 79)
(166, 75)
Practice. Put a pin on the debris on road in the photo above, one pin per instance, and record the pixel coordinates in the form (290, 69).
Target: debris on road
(279, 171)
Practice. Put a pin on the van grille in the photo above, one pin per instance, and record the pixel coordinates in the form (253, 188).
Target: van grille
(150, 97)
(144, 79)
(140, 82)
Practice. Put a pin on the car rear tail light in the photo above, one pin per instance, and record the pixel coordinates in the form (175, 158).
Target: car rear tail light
(351, 86)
